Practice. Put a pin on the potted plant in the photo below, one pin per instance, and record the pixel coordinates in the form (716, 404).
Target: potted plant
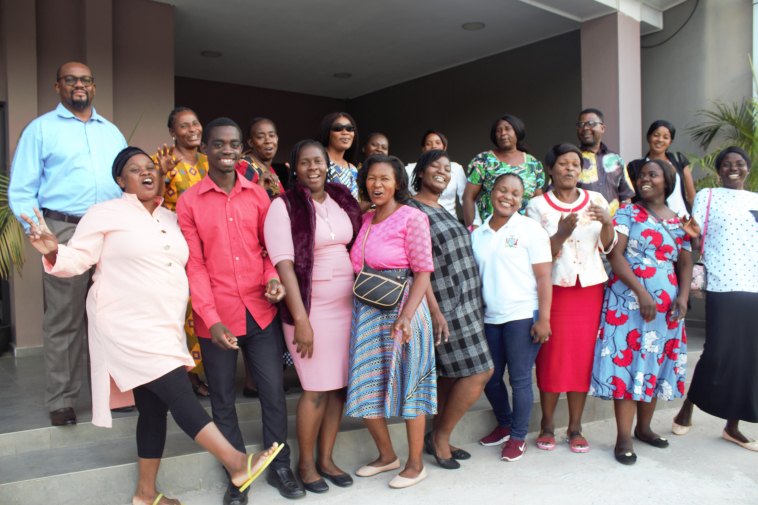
(12, 252)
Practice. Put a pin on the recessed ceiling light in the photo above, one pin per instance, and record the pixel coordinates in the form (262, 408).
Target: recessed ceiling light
(473, 26)
(211, 54)
(343, 75)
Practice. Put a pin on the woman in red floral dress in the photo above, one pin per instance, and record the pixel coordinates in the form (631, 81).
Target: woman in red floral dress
(641, 351)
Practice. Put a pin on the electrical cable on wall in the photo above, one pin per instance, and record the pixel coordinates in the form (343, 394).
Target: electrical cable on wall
(679, 30)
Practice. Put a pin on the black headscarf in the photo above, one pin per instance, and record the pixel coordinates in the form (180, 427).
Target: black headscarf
(122, 158)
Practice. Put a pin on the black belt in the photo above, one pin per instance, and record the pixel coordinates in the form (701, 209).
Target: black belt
(60, 216)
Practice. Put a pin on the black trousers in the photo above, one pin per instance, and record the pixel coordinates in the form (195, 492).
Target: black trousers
(263, 348)
(171, 392)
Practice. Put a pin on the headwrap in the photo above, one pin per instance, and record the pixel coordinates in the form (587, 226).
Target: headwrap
(123, 157)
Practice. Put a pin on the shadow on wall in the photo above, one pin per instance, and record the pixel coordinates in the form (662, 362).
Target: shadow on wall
(540, 83)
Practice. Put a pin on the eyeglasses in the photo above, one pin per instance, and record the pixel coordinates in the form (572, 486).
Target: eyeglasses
(590, 124)
(71, 80)
(342, 127)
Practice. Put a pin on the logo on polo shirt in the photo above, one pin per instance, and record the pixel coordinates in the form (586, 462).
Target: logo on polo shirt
(511, 241)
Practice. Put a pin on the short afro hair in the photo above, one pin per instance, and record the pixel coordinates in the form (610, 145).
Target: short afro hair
(401, 177)
(218, 123)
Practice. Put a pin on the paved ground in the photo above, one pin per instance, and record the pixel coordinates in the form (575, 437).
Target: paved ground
(697, 468)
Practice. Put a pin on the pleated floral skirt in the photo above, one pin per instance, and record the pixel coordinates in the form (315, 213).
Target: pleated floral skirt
(387, 378)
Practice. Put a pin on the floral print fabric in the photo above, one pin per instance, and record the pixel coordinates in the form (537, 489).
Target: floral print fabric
(636, 360)
(485, 168)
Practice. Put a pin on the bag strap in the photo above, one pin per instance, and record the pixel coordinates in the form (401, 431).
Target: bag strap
(662, 223)
(705, 226)
(363, 248)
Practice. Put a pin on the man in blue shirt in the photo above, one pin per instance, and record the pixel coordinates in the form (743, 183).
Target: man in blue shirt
(62, 166)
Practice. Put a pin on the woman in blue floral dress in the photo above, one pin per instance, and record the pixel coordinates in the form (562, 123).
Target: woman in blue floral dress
(641, 351)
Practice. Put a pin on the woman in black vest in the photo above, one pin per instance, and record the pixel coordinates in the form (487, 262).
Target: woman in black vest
(309, 231)
(660, 135)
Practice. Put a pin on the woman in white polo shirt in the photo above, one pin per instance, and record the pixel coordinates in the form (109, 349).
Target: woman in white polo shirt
(515, 264)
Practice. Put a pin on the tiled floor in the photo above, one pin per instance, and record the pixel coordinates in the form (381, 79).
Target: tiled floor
(22, 394)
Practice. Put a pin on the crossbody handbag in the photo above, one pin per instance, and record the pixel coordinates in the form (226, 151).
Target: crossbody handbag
(377, 289)
(699, 277)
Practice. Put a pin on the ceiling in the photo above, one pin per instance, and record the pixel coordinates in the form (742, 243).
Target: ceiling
(298, 45)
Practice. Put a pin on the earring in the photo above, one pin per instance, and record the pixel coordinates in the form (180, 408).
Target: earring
(173, 138)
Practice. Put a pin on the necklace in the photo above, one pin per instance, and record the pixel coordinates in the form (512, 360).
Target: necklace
(325, 218)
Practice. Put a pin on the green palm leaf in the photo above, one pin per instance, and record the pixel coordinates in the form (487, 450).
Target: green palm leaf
(12, 247)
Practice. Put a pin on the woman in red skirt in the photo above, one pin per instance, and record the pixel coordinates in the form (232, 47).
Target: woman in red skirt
(580, 228)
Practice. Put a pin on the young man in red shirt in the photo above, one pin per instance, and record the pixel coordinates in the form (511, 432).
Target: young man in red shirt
(233, 290)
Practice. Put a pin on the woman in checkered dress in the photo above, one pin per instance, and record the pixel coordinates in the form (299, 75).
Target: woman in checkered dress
(464, 364)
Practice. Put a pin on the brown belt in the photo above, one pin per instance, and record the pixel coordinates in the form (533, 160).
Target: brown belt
(59, 216)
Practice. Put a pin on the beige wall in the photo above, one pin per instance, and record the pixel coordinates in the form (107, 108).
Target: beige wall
(129, 42)
(707, 60)
(143, 70)
(19, 35)
(539, 83)
(611, 79)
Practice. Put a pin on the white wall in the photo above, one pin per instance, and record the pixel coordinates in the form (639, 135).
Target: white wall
(707, 60)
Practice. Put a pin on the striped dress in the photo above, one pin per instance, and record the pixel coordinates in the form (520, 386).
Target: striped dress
(387, 378)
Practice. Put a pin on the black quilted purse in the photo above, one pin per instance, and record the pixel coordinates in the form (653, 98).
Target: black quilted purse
(377, 289)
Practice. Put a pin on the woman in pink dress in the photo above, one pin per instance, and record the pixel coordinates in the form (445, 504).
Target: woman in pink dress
(308, 233)
(392, 365)
(135, 310)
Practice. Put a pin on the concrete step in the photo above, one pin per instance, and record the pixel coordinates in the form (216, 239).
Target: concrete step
(95, 467)
(124, 426)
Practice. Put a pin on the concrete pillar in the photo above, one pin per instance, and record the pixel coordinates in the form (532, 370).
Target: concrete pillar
(19, 34)
(143, 71)
(98, 47)
(611, 79)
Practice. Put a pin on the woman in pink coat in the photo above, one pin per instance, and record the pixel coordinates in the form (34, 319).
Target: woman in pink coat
(136, 308)
(309, 231)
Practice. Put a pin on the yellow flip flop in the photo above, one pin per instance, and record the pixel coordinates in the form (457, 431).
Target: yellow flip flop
(260, 470)
(158, 499)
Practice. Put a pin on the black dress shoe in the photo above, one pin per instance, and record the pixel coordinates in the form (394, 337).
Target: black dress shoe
(319, 486)
(63, 417)
(660, 442)
(249, 393)
(447, 464)
(234, 496)
(284, 480)
(341, 480)
(460, 454)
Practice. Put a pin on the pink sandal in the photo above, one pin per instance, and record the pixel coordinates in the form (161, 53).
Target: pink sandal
(546, 442)
(578, 444)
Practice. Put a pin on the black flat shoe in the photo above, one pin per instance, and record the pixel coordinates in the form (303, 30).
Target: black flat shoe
(460, 454)
(285, 481)
(660, 442)
(320, 486)
(447, 464)
(626, 458)
(342, 480)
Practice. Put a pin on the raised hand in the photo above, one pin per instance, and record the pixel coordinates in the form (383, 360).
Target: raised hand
(691, 227)
(167, 159)
(598, 213)
(40, 236)
(567, 224)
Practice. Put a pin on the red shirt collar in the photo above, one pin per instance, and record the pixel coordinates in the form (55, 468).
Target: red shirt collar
(584, 197)
(241, 183)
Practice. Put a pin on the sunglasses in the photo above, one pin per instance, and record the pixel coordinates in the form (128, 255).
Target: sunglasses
(590, 124)
(71, 80)
(342, 127)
